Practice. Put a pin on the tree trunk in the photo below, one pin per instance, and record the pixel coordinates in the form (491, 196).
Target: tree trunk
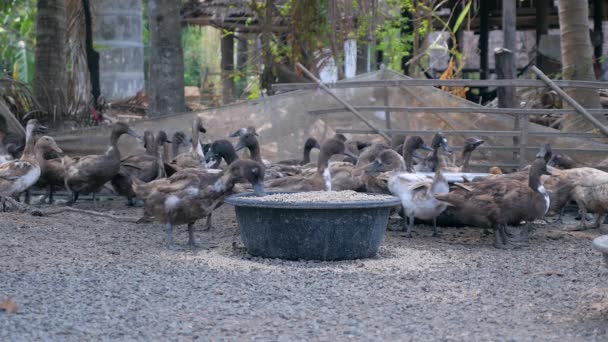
(227, 47)
(577, 60)
(50, 79)
(166, 82)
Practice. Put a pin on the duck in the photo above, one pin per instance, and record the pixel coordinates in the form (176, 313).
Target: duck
(496, 203)
(415, 191)
(370, 154)
(178, 139)
(586, 186)
(187, 205)
(250, 141)
(89, 173)
(146, 167)
(309, 144)
(355, 146)
(563, 161)
(397, 142)
(195, 157)
(470, 144)
(376, 177)
(320, 180)
(16, 176)
(219, 150)
(432, 161)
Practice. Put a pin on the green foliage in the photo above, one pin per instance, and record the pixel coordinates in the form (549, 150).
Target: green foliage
(17, 38)
(192, 45)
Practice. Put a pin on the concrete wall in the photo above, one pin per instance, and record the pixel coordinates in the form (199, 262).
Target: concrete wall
(118, 38)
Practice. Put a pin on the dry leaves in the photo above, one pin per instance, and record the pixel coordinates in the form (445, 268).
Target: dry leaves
(9, 306)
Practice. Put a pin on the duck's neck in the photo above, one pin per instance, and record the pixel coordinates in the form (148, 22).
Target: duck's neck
(466, 156)
(39, 156)
(30, 141)
(322, 163)
(230, 156)
(195, 137)
(152, 148)
(175, 149)
(165, 154)
(534, 180)
(113, 149)
(254, 150)
(306, 156)
(408, 158)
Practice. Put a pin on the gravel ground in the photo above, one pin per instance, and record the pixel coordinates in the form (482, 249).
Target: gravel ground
(87, 278)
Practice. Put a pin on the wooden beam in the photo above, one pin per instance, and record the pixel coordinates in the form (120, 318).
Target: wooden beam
(446, 83)
(509, 24)
(344, 103)
(542, 27)
(453, 110)
(484, 34)
(227, 64)
(595, 122)
(475, 132)
(507, 96)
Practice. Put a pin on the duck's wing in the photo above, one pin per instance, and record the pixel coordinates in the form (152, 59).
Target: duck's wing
(15, 169)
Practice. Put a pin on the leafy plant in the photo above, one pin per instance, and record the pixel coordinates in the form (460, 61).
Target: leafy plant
(17, 38)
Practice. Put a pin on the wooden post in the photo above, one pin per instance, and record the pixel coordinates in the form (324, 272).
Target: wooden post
(509, 22)
(242, 48)
(542, 27)
(484, 33)
(344, 103)
(227, 47)
(571, 101)
(387, 113)
(507, 97)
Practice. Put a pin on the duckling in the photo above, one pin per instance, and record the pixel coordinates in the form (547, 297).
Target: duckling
(186, 206)
(496, 203)
(415, 191)
(470, 144)
(409, 151)
(218, 150)
(431, 162)
(90, 173)
(320, 180)
(16, 176)
(195, 157)
(144, 166)
(308, 146)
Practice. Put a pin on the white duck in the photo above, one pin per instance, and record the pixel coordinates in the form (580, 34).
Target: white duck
(415, 191)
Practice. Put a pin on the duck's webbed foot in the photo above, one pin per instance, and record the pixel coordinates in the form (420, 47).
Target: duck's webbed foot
(501, 240)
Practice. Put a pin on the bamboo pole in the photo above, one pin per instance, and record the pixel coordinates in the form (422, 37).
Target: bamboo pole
(344, 103)
(571, 101)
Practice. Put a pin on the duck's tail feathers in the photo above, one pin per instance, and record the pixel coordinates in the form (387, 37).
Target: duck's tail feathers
(444, 198)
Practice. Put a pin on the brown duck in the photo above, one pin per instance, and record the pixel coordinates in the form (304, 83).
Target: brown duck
(90, 173)
(496, 203)
(187, 205)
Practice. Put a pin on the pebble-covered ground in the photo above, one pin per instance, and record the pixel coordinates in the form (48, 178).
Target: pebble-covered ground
(78, 277)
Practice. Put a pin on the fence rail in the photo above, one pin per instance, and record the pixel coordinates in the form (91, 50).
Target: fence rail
(443, 83)
(520, 132)
(454, 110)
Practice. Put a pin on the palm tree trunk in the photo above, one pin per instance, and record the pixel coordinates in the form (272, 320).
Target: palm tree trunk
(50, 79)
(577, 60)
(166, 83)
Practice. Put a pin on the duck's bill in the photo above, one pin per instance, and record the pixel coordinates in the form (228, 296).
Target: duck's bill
(417, 155)
(350, 154)
(317, 146)
(374, 167)
(426, 147)
(40, 129)
(258, 189)
(134, 134)
(239, 146)
(210, 163)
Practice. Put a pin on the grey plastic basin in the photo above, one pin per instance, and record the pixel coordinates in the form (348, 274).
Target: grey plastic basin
(312, 231)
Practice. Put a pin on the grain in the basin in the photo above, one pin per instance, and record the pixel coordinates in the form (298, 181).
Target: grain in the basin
(321, 197)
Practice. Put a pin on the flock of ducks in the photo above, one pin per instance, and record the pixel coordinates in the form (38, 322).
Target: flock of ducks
(180, 188)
